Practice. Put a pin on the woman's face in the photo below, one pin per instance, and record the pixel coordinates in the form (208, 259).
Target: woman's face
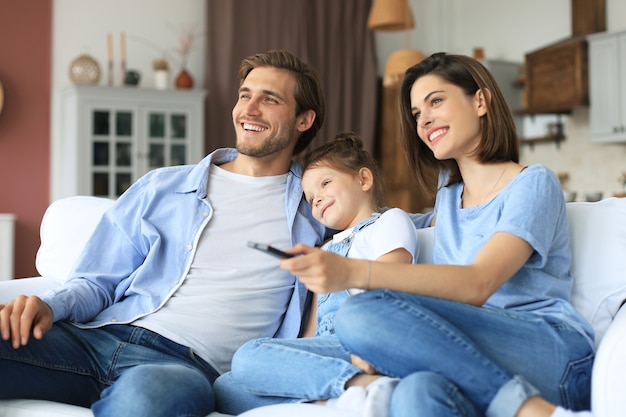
(448, 121)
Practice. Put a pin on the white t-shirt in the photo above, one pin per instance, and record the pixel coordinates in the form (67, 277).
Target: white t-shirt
(393, 229)
(232, 293)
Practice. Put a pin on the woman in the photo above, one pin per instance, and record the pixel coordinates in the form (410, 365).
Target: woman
(488, 329)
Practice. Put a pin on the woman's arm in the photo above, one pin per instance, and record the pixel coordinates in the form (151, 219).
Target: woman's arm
(502, 256)
(397, 255)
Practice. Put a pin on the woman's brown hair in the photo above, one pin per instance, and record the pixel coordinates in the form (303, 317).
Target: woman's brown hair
(499, 141)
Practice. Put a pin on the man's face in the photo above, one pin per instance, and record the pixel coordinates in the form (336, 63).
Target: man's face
(265, 113)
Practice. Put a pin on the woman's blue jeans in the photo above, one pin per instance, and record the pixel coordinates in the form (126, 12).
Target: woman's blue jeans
(117, 370)
(460, 360)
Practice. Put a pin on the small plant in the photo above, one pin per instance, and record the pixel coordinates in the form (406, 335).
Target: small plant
(187, 35)
(186, 39)
(160, 64)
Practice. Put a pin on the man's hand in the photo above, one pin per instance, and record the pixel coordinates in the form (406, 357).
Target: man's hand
(21, 315)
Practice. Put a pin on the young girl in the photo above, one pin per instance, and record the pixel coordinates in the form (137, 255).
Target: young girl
(488, 329)
(344, 186)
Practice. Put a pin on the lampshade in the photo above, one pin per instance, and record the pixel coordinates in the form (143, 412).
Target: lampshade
(390, 15)
(398, 62)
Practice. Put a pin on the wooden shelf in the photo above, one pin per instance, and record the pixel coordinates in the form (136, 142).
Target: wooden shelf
(531, 112)
(542, 139)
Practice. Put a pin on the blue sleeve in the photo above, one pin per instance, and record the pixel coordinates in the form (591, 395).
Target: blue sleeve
(110, 256)
(421, 220)
(535, 212)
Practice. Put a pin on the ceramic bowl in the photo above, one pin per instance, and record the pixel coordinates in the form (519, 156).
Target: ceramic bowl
(569, 196)
(593, 196)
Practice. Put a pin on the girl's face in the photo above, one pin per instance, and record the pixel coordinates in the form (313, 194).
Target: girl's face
(448, 121)
(339, 200)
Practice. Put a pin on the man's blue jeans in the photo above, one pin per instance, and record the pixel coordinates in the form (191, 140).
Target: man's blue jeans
(461, 360)
(117, 370)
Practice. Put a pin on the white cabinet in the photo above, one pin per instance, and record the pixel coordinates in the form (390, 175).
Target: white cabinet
(114, 135)
(607, 87)
(7, 238)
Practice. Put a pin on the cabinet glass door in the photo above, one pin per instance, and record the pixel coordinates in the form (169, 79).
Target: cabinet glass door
(112, 152)
(168, 138)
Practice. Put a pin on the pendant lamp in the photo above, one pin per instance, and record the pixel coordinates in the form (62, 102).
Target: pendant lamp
(397, 64)
(390, 15)
(395, 15)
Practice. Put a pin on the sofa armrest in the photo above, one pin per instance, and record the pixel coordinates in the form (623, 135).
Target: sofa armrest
(609, 371)
(28, 286)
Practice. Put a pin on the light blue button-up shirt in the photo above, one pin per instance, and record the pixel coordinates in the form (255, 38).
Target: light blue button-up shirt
(141, 251)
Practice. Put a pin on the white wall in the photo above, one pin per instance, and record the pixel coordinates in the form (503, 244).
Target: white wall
(508, 29)
(151, 26)
(505, 29)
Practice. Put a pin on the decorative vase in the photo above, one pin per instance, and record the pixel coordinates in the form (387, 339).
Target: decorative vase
(84, 70)
(184, 80)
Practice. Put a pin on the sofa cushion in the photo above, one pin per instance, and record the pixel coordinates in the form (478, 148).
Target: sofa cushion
(425, 240)
(298, 410)
(41, 408)
(598, 239)
(65, 228)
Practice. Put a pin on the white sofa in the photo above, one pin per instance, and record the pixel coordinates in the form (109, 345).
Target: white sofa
(598, 236)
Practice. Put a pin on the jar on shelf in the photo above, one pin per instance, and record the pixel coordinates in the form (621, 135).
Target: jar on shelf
(161, 74)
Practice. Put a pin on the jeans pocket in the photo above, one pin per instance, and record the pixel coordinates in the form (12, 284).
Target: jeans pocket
(576, 384)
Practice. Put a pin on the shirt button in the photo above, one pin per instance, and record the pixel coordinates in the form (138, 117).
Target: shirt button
(189, 247)
(205, 214)
(113, 320)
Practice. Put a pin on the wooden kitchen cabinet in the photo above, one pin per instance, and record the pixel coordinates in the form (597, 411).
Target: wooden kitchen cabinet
(557, 77)
(114, 135)
(607, 84)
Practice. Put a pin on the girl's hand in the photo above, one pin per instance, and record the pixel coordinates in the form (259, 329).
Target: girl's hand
(363, 365)
(322, 271)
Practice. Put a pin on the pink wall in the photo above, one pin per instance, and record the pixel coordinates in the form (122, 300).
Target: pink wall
(25, 65)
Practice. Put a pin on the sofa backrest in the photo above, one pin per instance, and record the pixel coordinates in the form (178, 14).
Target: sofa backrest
(598, 240)
(597, 230)
(65, 228)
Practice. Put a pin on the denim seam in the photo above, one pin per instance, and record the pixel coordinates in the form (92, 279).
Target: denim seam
(339, 387)
(45, 364)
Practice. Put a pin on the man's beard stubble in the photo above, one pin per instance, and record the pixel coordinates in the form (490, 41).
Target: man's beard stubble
(270, 145)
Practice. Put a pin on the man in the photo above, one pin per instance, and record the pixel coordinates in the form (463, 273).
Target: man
(166, 288)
